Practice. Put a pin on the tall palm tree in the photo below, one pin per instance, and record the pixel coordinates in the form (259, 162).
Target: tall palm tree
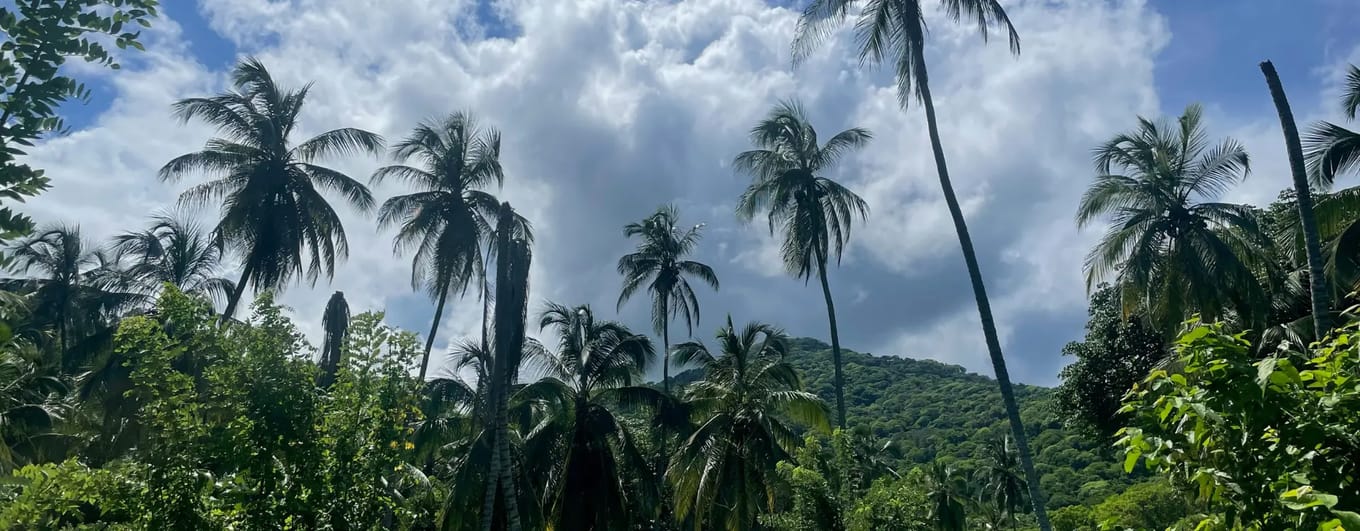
(334, 326)
(448, 219)
(895, 31)
(723, 474)
(945, 490)
(1303, 197)
(1172, 249)
(660, 259)
(812, 213)
(1003, 484)
(273, 212)
(177, 252)
(512, 291)
(580, 441)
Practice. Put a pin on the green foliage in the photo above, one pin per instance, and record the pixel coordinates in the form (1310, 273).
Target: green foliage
(236, 435)
(1267, 443)
(39, 38)
(893, 505)
(1119, 350)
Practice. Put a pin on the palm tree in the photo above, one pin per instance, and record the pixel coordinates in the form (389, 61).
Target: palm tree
(580, 441)
(1304, 199)
(1175, 251)
(176, 252)
(660, 259)
(334, 326)
(1331, 151)
(34, 397)
(512, 290)
(895, 31)
(1002, 482)
(944, 489)
(273, 211)
(723, 474)
(448, 218)
(812, 212)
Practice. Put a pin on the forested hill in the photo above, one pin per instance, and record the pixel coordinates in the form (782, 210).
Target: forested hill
(933, 409)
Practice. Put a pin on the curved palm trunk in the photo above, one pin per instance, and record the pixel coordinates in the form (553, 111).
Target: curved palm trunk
(434, 327)
(835, 341)
(238, 292)
(1317, 283)
(662, 453)
(1003, 378)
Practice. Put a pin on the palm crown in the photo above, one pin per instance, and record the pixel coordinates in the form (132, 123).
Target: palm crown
(1172, 248)
(813, 213)
(273, 212)
(174, 251)
(660, 258)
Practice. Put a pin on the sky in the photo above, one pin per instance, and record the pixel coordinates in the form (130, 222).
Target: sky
(610, 108)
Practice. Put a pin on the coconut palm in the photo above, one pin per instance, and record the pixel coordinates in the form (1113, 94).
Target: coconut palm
(34, 397)
(1173, 250)
(1333, 150)
(449, 216)
(1303, 198)
(945, 490)
(1003, 483)
(812, 213)
(580, 442)
(174, 251)
(723, 474)
(895, 31)
(659, 263)
(273, 211)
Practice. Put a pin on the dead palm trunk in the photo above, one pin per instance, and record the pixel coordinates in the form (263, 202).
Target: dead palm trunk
(238, 292)
(1003, 378)
(1317, 283)
(512, 287)
(835, 340)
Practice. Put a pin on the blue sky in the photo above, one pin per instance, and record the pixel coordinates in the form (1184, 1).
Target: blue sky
(611, 107)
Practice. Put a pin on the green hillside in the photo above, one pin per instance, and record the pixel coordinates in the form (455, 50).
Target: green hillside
(934, 409)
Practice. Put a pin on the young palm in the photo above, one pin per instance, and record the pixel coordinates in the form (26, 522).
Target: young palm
(1173, 250)
(1333, 150)
(660, 259)
(273, 211)
(448, 219)
(895, 31)
(176, 252)
(723, 474)
(334, 326)
(580, 444)
(945, 491)
(1003, 484)
(811, 212)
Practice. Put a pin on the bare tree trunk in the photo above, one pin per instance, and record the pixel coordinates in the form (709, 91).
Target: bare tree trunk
(237, 293)
(835, 341)
(1317, 282)
(1003, 378)
(429, 341)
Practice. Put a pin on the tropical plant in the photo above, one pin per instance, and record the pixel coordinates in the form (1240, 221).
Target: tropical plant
(895, 31)
(39, 38)
(723, 474)
(449, 217)
(176, 252)
(579, 443)
(1303, 195)
(1173, 250)
(34, 397)
(273, 213)
(660, 259)
(1264, 443)
(1331, 151)
(945, 490)
(1002, 482)
(812, 213)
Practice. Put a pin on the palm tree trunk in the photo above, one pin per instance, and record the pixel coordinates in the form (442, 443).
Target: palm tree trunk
(507, 469)
(1003, 378)
(835, 341)
(1317, 283)
(238, 292)
(434, 327)
(493, 474)
(661, 454)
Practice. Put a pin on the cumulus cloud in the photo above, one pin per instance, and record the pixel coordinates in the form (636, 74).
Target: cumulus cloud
(610, 108)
